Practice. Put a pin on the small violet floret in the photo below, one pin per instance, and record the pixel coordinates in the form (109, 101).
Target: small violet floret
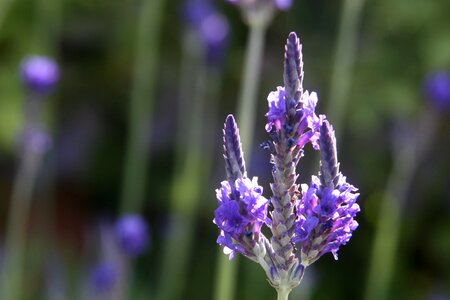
(277, 109)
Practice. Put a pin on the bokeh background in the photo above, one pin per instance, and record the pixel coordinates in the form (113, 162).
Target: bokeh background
(387, 49)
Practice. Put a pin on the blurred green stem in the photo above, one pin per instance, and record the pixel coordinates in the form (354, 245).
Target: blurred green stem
(249, 90)
(17, 225)
(191, 165)
(343, 63)
(140, 109)
(226, 272)
(20, 205)
(47, 26)
(407, 157)
(4, 8)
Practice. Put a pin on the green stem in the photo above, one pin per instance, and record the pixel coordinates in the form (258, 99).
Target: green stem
(4, 8)
(16, 230)
(20, 205)
(247, 97)
(343, 63)
(191, 164)
(226, 274)
(283, 293)
(142, 96)
(388, 229)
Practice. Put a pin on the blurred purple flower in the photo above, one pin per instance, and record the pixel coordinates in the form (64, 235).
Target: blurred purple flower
(437, 89)
(211, 27)
(214, 31)
(283, 4)
(103, 277)
(39, 74)
(132, 234)
(251, 4)
(37, 140)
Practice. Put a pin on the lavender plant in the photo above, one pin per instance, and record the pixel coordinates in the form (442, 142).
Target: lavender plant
(306, 221)
(39, 76)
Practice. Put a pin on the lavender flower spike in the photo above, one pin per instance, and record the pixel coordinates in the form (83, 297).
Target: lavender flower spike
(328, 206)
(242, 209)
(306, 221)
(293, 69)
(233, 155)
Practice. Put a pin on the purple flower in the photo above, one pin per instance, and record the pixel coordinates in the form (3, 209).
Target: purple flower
(103, 277)
(211, 27)
(327, 223)
(306, 223)
(214, 31)
(305, 120)
(276, 116)
(279, 4)
(437, 89)
(132, 234)
(39, 74)
(241, 213)
(291, 116)
(283, 4)
(326, 210)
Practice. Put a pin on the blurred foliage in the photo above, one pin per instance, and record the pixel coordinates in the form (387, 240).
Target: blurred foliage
(399, 43)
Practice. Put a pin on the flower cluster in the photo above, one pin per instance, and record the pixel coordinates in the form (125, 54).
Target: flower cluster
(306, 221)
(328, 207)
(242, 212)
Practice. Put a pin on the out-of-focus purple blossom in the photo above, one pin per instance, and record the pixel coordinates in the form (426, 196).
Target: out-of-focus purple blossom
(194, 11)
(283, 4)
(327, 207)
(36, 140)
(437, 89)
(241, 213)
(214, 31)
(103, 277)
(132, 234)
(255, 4)
(39, 74)
(211, 27)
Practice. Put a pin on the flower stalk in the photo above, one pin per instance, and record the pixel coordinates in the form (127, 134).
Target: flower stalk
(283, 293)
(141, 103)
